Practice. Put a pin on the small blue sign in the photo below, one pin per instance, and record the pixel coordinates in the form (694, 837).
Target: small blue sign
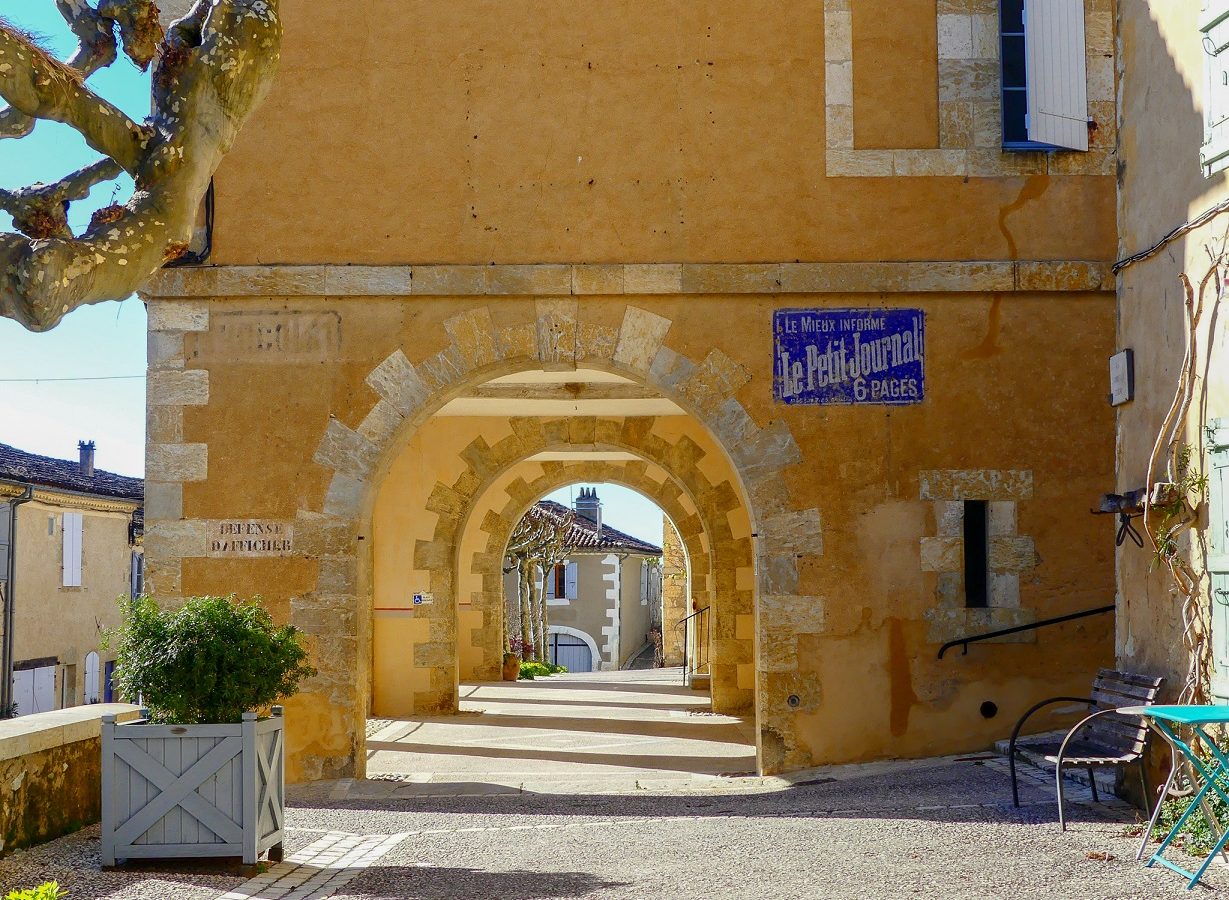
(849, 356)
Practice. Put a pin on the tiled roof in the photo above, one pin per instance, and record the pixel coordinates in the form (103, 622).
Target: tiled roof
(44, 471)
(584, 534)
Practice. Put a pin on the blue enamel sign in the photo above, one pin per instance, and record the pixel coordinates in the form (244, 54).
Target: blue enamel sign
(849, 356)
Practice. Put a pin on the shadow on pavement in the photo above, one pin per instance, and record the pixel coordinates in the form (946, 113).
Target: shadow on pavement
(953, 792)
(444, 883)
(688, 764)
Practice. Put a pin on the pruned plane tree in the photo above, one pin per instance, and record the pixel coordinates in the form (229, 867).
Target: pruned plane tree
(210, 70)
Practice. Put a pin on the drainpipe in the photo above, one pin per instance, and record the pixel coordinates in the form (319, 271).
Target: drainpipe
(6, 649)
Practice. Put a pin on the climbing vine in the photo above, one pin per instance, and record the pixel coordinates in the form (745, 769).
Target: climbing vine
(1177, 489)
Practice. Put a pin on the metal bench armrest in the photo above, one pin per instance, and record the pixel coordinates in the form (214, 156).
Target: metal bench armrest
(1015, 732)
(1062, 750)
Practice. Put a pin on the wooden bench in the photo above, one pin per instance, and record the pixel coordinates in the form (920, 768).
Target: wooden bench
(1101, 740)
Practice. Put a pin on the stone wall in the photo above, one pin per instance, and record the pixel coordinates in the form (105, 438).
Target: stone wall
(675, 599)
(51, 773)
(1162, 187)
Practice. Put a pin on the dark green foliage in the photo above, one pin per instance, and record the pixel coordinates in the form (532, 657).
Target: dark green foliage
(211, 660)
(1196, 837)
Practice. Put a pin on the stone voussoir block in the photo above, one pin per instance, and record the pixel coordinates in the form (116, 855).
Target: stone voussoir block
(473, 334)
(398, 381)
(346, 451)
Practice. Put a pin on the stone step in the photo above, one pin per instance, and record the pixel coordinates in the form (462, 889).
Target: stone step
(1106, 778)
(699, 681)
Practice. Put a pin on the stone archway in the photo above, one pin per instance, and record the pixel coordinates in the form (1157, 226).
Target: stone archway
(698, 508)
(329, 532)
(707, 566)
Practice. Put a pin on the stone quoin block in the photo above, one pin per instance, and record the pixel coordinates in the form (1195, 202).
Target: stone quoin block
(182, 387)
(177, 462)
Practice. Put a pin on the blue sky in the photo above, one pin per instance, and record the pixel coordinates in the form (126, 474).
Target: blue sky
(106, 340)
(101, 349)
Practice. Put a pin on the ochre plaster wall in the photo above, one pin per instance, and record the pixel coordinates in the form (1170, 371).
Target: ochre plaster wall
(843, 611)
(1162, 187)
(634, 621)
(626, 131)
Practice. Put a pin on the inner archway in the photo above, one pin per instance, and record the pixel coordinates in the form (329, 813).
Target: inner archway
(619, 717)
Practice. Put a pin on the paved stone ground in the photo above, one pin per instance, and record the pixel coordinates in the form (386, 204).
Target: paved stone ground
(929, 828)
(592, 732)
(937, 828)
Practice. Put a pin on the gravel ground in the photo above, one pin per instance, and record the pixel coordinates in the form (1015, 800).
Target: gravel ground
(929, 829)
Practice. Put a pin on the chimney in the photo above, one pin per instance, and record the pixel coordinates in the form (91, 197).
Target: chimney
(86, 449)
(589, 506)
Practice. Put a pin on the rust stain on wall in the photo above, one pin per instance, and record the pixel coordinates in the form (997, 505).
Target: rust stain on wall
(903, 699)
(1034, 187)
(989, 345)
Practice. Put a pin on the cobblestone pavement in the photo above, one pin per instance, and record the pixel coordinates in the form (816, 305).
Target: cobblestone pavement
(933, 828)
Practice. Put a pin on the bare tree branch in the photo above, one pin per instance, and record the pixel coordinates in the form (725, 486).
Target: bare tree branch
(41, 210)
(95, 50)
(37, 84)
(214, 67)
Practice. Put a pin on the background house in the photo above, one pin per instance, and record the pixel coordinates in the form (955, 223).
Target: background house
(70, 549)
(604, 599)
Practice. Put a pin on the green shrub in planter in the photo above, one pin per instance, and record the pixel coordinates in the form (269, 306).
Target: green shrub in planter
(209, 661)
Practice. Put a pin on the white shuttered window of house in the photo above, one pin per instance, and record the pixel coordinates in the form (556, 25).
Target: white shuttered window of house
(1214, 34)
(72, 533)
(570, 588)
(1057, 73)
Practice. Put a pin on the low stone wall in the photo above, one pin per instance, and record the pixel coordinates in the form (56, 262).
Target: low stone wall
(51, 772)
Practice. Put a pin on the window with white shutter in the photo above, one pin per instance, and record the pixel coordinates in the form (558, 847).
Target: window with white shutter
(72, 532)
(1044, 75)
(551, 579)
(91, 678)
(570, 579)
(1214, 30)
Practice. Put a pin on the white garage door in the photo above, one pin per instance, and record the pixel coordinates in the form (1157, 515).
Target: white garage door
(570, 652)
(34, 690)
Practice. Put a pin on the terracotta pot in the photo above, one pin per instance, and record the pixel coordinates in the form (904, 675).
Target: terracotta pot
(512, 667)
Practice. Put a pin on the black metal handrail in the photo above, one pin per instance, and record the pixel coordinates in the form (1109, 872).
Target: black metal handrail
(701, 656)
(974, 638)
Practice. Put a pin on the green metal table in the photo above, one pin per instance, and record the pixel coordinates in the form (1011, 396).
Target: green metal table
(1166, 721)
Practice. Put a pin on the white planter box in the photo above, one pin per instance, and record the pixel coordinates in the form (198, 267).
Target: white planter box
(173, 791)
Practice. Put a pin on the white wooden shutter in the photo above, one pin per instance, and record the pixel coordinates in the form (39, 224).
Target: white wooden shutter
(23, 691)
(550, 578)
(1214, 34)
(644, 582)
(1057, 73)
(44, 689)
(72, 549)
(570, 578)
(91, 677)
